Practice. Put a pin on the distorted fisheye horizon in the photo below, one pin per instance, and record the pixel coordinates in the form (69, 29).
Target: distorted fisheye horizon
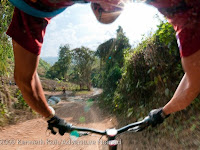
(77, 26)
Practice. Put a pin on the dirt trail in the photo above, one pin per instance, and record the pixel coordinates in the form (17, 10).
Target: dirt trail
(77, 110)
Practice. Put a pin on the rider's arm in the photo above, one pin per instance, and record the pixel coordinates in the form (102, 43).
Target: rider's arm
(189, 87)
(185, 18)
(27, 34)
(28, 81)
(187, 91)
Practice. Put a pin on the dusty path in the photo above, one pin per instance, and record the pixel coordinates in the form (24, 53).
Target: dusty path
(76, 110)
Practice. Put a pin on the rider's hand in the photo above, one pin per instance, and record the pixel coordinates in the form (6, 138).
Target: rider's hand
(56, 123)
(157, 116)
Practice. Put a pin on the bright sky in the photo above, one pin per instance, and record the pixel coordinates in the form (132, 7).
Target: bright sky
(77, 26)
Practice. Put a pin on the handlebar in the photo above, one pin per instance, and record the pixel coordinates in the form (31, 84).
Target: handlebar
(133, 127)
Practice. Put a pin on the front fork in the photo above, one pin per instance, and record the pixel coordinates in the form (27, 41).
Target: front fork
(112, 142)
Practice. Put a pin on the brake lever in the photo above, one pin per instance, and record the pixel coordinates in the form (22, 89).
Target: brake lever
(140, 127)
(137, 129)
(83, 133)
(134, 129)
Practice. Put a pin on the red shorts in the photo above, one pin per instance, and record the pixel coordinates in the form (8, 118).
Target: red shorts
(187, 27)
(28, 31)
(185, 20)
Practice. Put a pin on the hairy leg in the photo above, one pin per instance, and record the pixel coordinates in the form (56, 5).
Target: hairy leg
(28, 81)
(189, 87)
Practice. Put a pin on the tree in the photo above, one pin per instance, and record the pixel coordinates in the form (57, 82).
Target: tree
(6, 53)
(83, 59)
(111, 54)
(60, 68)
(104, 50)
(64, 59)
(122, 44)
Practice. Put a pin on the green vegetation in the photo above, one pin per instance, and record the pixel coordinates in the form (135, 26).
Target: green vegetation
(43, 67)
(151, 74)
(60, 68)
(6, 58)
(111, 54)
(6, 53)
(147, 80)
(20, 103)
(83, 59)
